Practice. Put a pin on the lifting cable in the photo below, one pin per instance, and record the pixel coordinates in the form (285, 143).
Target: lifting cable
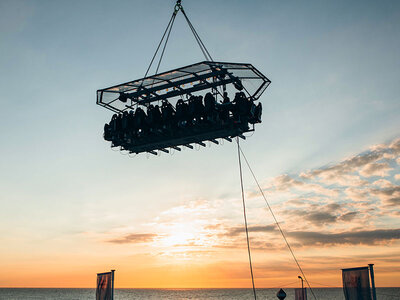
(159, 44)
(245, 219)
(197, 37)
(178, 7)
(166, 41)
(276, 221)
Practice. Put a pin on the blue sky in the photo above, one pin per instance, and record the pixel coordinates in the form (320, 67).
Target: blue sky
(334, 67)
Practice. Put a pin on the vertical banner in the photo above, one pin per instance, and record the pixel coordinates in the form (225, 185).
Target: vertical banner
(300, 294)
(105, 286)
(356, 284)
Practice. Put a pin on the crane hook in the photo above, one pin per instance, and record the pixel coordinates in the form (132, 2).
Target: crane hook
(178, 5)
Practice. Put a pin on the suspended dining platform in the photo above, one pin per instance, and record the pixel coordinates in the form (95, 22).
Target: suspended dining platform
(167, 110)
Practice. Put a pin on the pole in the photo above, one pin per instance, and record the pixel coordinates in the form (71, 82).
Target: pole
(112, 284)
(302, 287)
(371, 271)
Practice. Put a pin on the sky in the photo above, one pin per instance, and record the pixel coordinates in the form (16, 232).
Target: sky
(327, 154)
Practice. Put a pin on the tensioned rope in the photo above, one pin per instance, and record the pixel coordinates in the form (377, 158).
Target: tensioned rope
(276, 222)
(203, 48)
(197, 37)
(162, 39)
(245, 218)
(166, 42)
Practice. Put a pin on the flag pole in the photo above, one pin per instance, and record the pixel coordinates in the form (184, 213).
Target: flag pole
(371, 271)
(112, 284)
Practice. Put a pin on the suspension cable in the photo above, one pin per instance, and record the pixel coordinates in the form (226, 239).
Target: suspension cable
(197, 37)
(276, 222)
(167, 32)
(166, 41)
(245, 219)
(159, 44)
(178, 7)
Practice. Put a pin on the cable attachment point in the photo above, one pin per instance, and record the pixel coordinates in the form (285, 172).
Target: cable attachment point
(178, 6)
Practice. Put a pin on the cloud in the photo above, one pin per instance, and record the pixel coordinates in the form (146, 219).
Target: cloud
(393, 201)
(356, 194)
(319, 215)
(286, 182)
(386, 193)
(134, 238)
(347, 217)
(376, 169)
(383, 183)
(320, 218)
(234, 231)
(367, 164)
(366, 237)
(347, 166)
(395, 146)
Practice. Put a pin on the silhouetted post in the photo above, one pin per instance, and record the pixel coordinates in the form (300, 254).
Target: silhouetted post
(281, 294)
(371, 271)
(302, 287)
(112, 284)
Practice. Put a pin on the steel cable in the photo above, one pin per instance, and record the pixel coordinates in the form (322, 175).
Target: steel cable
(277, 223)
(245, 219)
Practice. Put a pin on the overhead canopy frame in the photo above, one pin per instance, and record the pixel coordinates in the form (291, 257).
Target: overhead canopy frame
(183, 81)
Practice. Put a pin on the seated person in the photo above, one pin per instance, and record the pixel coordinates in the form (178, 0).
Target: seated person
(153, 118)
(198, 108)
(157, 119)
(181, 113)
(209, 102)
(168, 114)
(191, 110)
(224, 108)
(210, 107)
(131, 124)
(256, 114)
(139, 121)
(107, 132)
(242, 108)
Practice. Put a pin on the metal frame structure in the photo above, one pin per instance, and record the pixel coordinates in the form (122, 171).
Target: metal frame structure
(211, 135)
(183, 81)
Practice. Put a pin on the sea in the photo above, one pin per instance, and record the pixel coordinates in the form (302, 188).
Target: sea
(180, 294)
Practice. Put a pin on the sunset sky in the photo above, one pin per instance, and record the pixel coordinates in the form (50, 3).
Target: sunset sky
(327, 153)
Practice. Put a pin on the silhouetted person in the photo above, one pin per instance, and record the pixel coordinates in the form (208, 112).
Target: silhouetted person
(210, 107)
(191, 110)
(256, 114)
(198, 108)
(124, 122)
(131, 125)
(238, 84)
(157, 119)
(118, 124)
(224, 108)
(140, 121)
(242, 109)
(107, 132)
(181, 113)
(168, 115)
(113, 124)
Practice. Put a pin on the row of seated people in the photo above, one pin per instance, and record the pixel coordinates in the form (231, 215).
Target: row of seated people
(136, 127)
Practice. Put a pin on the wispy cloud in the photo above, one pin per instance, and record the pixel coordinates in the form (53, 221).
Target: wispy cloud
(365, 237)
(134, 238)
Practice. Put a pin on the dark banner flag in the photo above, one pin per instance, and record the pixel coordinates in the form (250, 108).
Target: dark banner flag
(105, 286)
(356, 284)
(300, 294)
